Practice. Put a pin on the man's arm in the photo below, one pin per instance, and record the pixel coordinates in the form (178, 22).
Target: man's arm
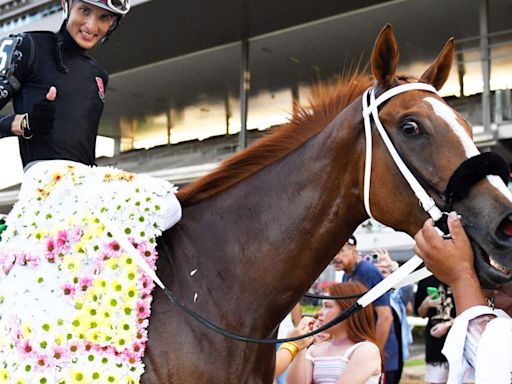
(451, 261)
(383, 324)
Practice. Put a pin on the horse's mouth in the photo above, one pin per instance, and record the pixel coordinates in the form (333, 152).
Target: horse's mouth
(499, 267)
(491, 273)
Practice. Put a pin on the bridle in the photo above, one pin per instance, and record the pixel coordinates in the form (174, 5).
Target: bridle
(469, 172)
(463, 178)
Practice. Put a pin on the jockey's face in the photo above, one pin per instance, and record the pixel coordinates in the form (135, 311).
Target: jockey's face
(87, 23)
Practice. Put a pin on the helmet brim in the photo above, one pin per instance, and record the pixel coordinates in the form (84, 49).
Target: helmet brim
(104, 6)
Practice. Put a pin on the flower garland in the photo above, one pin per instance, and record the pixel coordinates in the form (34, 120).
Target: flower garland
(74, 308)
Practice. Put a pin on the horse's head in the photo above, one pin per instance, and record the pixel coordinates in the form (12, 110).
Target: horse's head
(434, 140)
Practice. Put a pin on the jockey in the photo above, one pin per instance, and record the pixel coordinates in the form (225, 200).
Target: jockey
(41, 66)
(81, 238)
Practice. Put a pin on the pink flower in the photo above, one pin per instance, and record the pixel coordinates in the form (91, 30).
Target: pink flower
(142, 324)
(7, 260)
(74, 347)
(50, 250)
(129, 356)
(148, 252)
(113, 247)
(75, 234)
(63, 241)
(42, 362)
(60, 353)
(20, 258)
(147, 285)
(69, 289)
(84, 283)
(24, 348)
(143, 310)
(138, 348)
(31, 260)
(18, 335)
(133, 242)
(142, 337)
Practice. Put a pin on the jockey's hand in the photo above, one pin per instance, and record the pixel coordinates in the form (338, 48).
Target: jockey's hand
(42, 116)
(448, 259)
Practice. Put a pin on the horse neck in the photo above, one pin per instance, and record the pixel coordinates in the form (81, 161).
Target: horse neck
(271, 235)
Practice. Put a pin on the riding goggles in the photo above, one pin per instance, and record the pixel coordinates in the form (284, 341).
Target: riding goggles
(119, 6)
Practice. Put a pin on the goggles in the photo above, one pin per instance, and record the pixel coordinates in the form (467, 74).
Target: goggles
(119, 6)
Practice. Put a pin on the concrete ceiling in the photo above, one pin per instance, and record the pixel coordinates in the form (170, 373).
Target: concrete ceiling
(175, 53)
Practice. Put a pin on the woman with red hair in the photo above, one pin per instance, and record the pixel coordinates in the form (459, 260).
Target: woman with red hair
(351, 355)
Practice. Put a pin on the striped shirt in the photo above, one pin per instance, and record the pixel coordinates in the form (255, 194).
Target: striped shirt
(328, 369)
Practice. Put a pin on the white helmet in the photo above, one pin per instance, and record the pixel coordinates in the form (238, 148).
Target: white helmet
(119, 7)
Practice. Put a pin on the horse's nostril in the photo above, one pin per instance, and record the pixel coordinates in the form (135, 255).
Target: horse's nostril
(506, 226)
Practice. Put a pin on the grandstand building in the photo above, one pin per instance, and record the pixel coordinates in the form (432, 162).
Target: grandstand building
(192, 82)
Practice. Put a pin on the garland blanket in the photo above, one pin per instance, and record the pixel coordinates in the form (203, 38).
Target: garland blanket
(74, 307)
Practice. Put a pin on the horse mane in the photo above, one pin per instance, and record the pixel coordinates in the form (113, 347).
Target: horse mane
(327, 101)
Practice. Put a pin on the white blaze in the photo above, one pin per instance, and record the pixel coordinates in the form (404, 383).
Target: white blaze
(447, 114)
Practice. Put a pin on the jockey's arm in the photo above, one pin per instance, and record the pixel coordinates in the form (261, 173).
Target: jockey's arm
(15, 60)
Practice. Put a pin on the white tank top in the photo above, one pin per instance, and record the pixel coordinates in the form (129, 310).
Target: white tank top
(328, 369)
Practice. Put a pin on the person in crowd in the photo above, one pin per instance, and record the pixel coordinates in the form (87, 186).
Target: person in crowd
(322, 336)
(434, 301)
(289, 324)
(400, 301)
(479, 343)
(351, 355)
(360, 270)
(288, 351)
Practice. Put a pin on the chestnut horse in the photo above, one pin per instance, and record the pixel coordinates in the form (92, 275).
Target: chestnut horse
(257, 231)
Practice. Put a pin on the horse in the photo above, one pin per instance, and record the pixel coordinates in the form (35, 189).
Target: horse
(258, 230)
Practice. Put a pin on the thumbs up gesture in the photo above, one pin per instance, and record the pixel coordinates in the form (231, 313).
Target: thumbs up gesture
(42, 116)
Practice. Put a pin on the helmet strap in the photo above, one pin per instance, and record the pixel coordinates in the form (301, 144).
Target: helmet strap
(65, 10)
(111, 29)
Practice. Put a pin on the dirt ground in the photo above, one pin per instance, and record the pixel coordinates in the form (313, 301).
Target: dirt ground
(413, 375)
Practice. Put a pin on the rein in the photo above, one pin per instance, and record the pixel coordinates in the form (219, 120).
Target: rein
(407, 273)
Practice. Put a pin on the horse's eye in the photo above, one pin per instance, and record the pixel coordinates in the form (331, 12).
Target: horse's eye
(411, 128)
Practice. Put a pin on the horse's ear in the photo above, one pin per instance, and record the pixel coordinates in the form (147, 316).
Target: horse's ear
(385, 57)
(439, 71)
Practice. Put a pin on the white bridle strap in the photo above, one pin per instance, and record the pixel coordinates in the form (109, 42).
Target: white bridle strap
(396, 91)
(426, 201)
(390, 282)
(406, 274)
